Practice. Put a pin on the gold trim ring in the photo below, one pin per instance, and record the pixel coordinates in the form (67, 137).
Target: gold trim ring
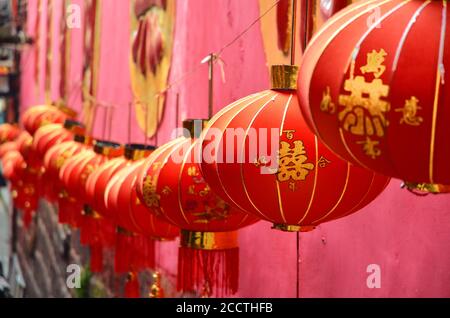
(209, 240)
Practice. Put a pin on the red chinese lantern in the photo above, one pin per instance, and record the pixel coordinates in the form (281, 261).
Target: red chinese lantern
(68, 207)
(277, 169)
(373, 88)
(172, 186)
(7, 147)
(8, 132)
(95, 231)
(44, 139)
(11, 163)
(137, 227)
(23, 188)
(38, 116)
(52, 134)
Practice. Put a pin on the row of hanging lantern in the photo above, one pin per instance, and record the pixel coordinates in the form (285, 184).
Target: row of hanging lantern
(65, 166)
(355, 86)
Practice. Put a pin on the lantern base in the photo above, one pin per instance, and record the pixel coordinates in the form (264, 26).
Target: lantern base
(293, 228)
(209, 240)
(426, 188)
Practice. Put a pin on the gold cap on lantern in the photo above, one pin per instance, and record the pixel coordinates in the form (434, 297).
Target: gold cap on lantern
(108, 149)
(426, 188)
(135, 152)
(284, 77)
(293, 228)
(209, 240)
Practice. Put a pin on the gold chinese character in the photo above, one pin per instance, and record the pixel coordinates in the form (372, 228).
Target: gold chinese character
(375, 63)
(218, 211)
(364, 115)
(292, 162)
(327, 105)
(370, 147)
(410, 112)
(191, 190)
(292, 186)
(166, 190)
(205, 191)
(192, 171)
(289, 134)
(151, 197)
(86, 173)
(323, 162)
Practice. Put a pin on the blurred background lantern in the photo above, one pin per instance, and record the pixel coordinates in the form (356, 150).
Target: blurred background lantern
(173, 187)
(68, 207)
(23, 187)
(373, 88)
(8, 132)
(138, 228)
(95, 231)
(45, 138)
(279, 170)
(38, 116)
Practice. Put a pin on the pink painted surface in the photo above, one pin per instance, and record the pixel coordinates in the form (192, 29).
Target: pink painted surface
(406, 236)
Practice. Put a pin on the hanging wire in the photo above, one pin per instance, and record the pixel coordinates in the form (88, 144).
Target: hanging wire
(130, 107)
(297, 290)
(216, 56)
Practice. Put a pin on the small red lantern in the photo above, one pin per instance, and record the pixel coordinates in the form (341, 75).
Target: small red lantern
(135, 240)
(176, 190)
(23, 188)
(7, 147)
(38, 116)
(95, 231)
(279, 171)
(373, 88)
(52, 134)
(8, 132)
(44, 139)
(68, 207)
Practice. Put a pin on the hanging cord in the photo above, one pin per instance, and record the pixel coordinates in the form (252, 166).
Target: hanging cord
(293, 43)
(211, 85)
(298, 261)
(130, 107)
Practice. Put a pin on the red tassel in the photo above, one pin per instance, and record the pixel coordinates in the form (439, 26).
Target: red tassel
(69, 211)
(122, 256)
(97, 230)
(96, 258)
(132, 288)
(213, 272)
(144, 252)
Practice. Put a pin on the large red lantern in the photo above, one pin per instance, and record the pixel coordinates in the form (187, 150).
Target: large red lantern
(373, 88)
(277, 169)
(173, 187)
(38, 116)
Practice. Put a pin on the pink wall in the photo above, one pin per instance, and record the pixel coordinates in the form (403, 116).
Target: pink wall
(406, 235)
